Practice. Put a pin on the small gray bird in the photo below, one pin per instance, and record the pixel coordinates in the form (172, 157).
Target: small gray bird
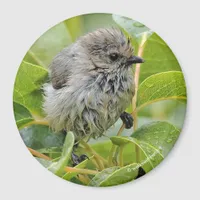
(92, 83)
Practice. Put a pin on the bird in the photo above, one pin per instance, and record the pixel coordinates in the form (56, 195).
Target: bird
(91, 84)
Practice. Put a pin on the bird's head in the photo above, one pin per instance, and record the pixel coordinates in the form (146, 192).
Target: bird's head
(109, 50)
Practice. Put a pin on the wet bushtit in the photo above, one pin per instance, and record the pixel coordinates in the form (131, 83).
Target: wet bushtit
(92, 83)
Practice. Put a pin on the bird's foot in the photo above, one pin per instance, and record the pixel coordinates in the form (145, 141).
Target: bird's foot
(78, 159)
(127, 119)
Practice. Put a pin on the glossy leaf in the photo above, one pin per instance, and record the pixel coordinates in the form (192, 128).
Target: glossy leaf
(22, 115)
(40, 136)
(101, 176)
(58, 167)
(152, 156)
(162, 86)
(115, 176)
(27, 88)
(161, 135)
(136, 30)
(158, 58)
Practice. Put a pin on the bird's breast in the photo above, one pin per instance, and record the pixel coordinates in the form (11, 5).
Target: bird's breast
(107, 97)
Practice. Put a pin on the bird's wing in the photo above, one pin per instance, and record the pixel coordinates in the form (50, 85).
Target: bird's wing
(60, 69)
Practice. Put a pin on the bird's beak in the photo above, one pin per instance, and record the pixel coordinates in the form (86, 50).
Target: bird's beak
(134, 60)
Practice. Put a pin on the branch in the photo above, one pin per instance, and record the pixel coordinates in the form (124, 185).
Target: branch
(136, 83)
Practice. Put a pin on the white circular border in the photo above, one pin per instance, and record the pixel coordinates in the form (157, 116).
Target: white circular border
(23, 22)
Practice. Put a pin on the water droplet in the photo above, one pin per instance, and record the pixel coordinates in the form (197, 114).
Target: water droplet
(169, 140)
(160, 148)
(138, 24)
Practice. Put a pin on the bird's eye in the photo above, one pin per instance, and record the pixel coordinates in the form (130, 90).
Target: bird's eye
(113, 56)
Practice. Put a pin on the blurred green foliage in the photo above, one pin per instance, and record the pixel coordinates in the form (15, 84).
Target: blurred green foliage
(161, 105)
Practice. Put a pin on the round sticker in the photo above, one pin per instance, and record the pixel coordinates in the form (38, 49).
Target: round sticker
(99, 100)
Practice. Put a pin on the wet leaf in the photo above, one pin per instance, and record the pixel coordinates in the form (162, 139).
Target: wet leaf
(101, 176)
(136, 30)
(27, 88)
(115, 176)
(161, 86)
(152, 156)
(40, 136)
(158, 58)
(58, 167)
(22, 115)
(161, 135)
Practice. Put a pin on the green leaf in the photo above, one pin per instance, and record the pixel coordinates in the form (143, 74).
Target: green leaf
(162, 86)
(91, 22)
(40, 136)
(152, 156)
(69, 175)
(120, 140)
(53, 152)
(45, 163)
(75, 27)
(136, 30)
(58, 167)
(158, 58)
(102, 176)
(27, 88)
(115, 176)
(161, 135)
(22, 115)
(48, 45)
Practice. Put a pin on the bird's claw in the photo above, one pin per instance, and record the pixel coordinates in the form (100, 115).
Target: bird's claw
(76, 159)
(127, 119)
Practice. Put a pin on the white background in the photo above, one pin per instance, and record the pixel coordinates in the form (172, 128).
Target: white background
(22, 22)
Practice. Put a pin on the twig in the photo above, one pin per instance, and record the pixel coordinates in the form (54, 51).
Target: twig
(121, 161)
(136, 83)
(99, 159)
(134, 100)
(113, 148)
(40, 122)
(38, 154)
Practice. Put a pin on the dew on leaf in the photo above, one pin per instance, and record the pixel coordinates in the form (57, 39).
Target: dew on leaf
(138, 24)
(169, 140)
